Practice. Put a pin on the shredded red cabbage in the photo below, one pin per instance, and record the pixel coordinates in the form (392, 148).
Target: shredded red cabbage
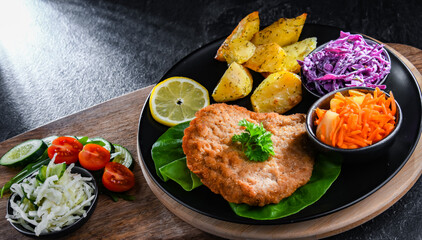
(348, 61)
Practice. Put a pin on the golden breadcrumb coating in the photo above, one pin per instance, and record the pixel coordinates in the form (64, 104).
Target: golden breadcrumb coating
(223, 167)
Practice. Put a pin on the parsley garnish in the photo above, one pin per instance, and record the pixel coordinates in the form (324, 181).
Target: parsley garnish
(256, 141)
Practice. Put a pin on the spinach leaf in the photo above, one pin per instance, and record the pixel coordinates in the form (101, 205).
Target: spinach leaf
(170, 161)
(180, 173)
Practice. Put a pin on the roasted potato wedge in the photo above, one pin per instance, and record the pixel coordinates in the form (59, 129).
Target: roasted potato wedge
(239, 50)
(279, 92)
(267, 58)
(265, 74)
(298, 51)
(246, 29)
(236, 83)
(284, 32)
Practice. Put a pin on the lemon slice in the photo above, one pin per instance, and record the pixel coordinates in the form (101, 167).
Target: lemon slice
(176, 100)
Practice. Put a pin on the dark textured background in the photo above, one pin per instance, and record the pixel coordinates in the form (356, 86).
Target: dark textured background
(59, 57)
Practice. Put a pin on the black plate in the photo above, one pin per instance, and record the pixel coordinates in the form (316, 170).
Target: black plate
(355, 182)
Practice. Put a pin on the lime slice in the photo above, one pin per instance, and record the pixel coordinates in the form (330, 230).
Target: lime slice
(176, 100)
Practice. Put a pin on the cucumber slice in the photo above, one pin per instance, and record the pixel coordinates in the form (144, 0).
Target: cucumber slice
(101, 141)
(57, 169)
(49, 140)
(122, 156)
(42, 174)
(24, 153)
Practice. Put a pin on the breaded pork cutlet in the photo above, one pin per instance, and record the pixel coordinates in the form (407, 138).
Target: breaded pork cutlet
(223, 167)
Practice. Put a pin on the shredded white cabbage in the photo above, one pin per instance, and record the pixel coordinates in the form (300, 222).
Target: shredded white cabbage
(52, 205)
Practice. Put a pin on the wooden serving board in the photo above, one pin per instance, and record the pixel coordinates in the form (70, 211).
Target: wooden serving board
(148, 217)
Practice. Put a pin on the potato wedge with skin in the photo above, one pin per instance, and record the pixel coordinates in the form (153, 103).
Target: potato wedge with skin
(284, 32)
(236, 83)
(265, 74)
(246, 29)
(267, 58)
(239, 50)
(279, 92)
(298, 51)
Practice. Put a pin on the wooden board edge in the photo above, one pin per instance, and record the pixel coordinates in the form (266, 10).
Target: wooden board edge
(406, 62)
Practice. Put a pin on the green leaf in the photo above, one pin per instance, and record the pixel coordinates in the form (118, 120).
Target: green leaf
(180, 173)
(83, 140)
(256, 141)
(326, 170)
(102, 144)
(170, 160)
(243, 137)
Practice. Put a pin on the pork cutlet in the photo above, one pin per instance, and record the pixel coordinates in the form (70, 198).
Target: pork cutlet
(223, 167)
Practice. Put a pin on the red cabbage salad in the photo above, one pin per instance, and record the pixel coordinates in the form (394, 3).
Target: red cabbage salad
(348, 61)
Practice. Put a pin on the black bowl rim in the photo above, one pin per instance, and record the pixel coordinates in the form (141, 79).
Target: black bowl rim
(312, 135)
(322, 46)
(74, 225)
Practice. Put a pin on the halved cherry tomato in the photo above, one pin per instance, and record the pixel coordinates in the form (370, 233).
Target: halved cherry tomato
(67, 149)
(117, 177)
(94, 157)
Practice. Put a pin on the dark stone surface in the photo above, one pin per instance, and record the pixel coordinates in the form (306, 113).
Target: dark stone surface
(59, 57)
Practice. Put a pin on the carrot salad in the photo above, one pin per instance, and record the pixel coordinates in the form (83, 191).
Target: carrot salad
(357, 120)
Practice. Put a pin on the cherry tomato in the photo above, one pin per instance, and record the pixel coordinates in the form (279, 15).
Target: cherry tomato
(94, 157)
(67, 149)
(117, 177)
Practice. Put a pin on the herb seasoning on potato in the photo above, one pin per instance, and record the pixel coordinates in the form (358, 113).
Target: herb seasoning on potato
(273, 52)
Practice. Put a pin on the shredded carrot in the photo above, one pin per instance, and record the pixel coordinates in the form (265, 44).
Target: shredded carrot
(359, 124)
(320, 115)
(333, 134)
(340, 139)
(393, 104)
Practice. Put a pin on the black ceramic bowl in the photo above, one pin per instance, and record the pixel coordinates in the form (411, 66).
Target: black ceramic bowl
(319, 48)
(68, 229)
(358, 155)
